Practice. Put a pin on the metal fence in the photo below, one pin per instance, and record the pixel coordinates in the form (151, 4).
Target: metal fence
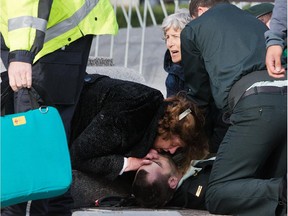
(126, 9)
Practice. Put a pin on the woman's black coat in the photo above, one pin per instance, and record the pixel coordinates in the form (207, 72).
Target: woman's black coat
(114, 119)
(175, 78)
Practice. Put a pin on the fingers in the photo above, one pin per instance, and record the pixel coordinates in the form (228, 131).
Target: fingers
(153, 154)
(278, 65)
(12, 83)
(273, 62)
(153, 151)
(146, 162)
(23, 80)
(135, 163)
(29, 80)
(20, 75)
(277, 75)
(275, 71)
(279, 70)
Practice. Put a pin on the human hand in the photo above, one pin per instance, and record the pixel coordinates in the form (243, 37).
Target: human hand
(273, 61)
(153, 154)
(134, 164)
(20, 75)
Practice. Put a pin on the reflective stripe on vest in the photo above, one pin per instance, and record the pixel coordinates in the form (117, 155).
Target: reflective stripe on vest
(27, 21)
(71, 22)
(60, 28)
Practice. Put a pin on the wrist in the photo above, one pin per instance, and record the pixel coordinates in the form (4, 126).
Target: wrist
(21, 56)
(124, 166)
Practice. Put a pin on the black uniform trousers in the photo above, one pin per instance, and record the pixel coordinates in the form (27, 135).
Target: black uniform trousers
(251, 159)
(61, 75)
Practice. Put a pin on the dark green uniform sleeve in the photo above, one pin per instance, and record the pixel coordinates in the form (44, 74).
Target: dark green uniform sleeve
(196, 76)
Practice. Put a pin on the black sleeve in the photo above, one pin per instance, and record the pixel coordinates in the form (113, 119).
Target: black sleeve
(95, 150)
(196, 76)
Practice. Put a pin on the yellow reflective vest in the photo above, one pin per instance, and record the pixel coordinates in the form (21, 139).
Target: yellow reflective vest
(45, 26)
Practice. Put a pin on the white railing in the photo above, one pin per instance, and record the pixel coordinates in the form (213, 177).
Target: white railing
(126, 9)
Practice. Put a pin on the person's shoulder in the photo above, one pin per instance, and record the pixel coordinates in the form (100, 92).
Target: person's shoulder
(212, 15)
(224, 9)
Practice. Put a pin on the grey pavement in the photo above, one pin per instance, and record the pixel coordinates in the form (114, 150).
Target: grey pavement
(139, 212)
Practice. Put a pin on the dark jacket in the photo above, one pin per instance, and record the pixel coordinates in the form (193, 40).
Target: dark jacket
(215, 56)
(175, 78)
(114, 119)
(191, 193)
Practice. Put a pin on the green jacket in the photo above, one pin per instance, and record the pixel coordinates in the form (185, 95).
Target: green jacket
(218, 48)
(34, 28)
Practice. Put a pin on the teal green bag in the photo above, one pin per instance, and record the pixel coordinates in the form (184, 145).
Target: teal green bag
(35, 161)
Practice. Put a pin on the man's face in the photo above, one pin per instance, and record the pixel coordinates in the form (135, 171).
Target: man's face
(168, 145)
(266, 19)
(160, 166)
(173, 44)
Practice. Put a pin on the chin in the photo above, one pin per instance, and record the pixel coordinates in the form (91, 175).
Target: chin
(176, 60)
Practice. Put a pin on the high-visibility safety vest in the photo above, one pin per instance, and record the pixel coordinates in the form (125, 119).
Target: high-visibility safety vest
(45, 26)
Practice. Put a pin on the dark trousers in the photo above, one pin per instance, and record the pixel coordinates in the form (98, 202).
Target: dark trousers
(58, 206)
(61, 75)
(251, 159)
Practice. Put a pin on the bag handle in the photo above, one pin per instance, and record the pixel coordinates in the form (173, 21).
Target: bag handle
(30, 99)
(7, 90)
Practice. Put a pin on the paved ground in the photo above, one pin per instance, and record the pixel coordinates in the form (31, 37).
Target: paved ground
(139, 212)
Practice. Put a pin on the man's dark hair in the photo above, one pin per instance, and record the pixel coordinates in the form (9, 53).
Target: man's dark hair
(151, 195)
(194, 4)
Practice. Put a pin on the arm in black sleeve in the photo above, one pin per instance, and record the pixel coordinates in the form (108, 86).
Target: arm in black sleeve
(98, 149)
(196, 76)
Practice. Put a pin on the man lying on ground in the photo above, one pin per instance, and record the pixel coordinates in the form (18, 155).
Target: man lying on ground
(162, 184)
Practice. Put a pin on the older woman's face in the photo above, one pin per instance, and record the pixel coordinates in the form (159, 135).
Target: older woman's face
(173, 44)
(168, 145)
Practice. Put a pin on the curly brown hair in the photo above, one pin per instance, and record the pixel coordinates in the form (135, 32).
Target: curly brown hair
(189, 129)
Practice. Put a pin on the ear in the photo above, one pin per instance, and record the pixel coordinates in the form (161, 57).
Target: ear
(173, 182)
(202, 10)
